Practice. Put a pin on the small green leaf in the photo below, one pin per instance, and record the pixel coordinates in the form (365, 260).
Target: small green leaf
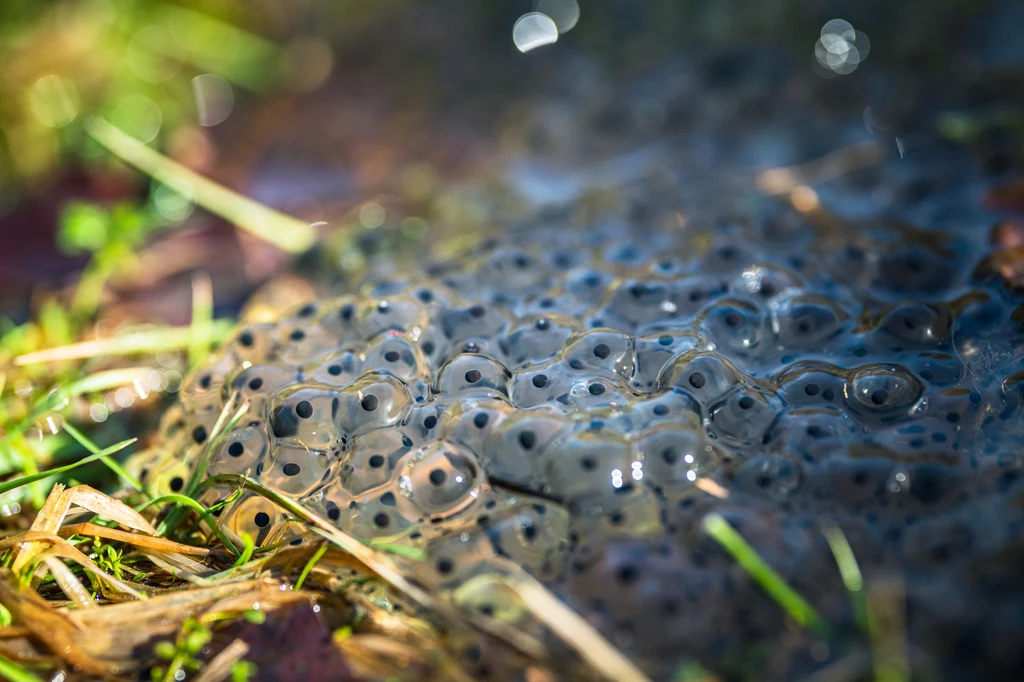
(255, 616)
(83, 227)
(165, 650)
(10, 670)
(309, 565)
(16, 483)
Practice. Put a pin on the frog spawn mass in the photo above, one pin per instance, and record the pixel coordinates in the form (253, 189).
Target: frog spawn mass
(557, 406)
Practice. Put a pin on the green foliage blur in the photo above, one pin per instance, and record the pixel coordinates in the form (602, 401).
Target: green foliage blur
(129, 61)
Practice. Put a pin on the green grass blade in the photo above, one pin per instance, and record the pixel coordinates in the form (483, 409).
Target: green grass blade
(132, 343)
(249, 546)
(188, 502)
(778, 589)
(213, 45)
(84, 441)
(202, 318)
(300, 512)
(283, 231)
(8, 486)
(310, 564)
(849, 570)
(10, 670)
(57, 399)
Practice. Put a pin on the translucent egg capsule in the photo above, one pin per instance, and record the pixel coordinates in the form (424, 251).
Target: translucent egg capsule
(692, 294)
(241, 451)
(588, 285)
(295, 470)
(332, 502)
(542, 385)
(534, 535)
(706, 377)
(256, 385)
(914, 326)
(473, 321)
(766, 282)
(371, 458)
(669, 407)
(774, 475)
(602, 352)
(521, 275)
(813, 433)
(170, 476)
(882, 392)
(557, 301)
(656, 351)
(738, 328)
(936, 369)
(536, 341)
(632, 511)
(808, 321)
(454, 559)
(744, 417)
(400, 358)
(512, 452)
(252, 343)
(673, 454)
(397, 314)
(915, 270)
(439, 479)
(376, 515)
(588, 465)
(373, 402)
(726, 258)
(811, 383)
(305, 414)
(338, 369)
(471, 374)
(470, 422)
(253, 515)
(637, 305)
(930, 436)
(298, 343)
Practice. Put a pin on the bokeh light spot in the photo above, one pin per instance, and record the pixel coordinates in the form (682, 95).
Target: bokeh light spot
(214, 99)
(139, 116)
(371, 215)
(155, 55)
(54, 101)
(565, 13)
(534, 30)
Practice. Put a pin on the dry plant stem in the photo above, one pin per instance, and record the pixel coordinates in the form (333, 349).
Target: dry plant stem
(283, 231)
(571, 628)
(146, 541)
(220, 667)
(56, 631)
(134, 343)
(62, 548)
(381, 564)
(828, 167)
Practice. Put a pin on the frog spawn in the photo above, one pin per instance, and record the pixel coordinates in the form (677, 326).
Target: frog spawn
(557, 410)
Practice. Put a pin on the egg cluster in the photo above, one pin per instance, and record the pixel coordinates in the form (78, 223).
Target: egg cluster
(557, 397)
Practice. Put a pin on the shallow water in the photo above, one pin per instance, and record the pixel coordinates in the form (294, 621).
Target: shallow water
(633, 328)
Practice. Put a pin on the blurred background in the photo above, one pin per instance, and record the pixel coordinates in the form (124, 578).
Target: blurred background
(393, 127)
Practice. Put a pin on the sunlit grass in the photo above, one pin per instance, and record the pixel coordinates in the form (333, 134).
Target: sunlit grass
(757, 568)
(14, 672)
(129, 343)
(16, 483)
(850, 572)
(283, 231)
